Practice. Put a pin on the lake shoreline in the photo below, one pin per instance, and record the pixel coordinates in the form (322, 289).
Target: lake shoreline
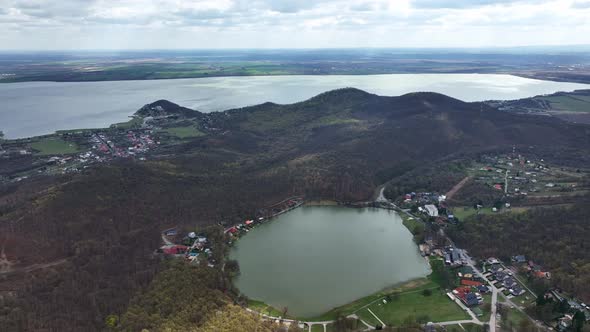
(73, 105)
(264, 308)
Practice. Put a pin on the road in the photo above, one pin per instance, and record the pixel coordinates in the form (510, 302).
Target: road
(457, 187)
(494, 309)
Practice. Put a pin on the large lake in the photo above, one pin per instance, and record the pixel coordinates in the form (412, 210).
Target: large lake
(36, 108)
(313, 259)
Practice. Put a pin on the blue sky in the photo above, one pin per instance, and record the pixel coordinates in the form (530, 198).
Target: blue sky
(173, 24)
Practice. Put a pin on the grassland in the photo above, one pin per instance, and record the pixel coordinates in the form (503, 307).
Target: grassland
(414, 225)
(134, 122)
(436, 307)
(53, 146)
(317, 328)
(264, 308)
(183, 132)
(569, 103)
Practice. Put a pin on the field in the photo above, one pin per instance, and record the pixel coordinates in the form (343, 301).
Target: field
(436, 308)
(416, 285)
(317, 328)
(132, 123)
(53, 146)
(184, 132)
(569, 103)
(264, 308)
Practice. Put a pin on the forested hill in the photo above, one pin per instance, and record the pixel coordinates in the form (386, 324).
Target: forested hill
(100, 227)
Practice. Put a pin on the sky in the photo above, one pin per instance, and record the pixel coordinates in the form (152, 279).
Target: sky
(210, 24)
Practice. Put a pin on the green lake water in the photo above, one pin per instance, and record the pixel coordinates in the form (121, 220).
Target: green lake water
(313, 259)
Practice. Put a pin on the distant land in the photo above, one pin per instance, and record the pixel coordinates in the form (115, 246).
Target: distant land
(571, 64)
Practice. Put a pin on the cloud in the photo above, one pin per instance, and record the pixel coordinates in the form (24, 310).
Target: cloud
(283, 23)
(581, 5)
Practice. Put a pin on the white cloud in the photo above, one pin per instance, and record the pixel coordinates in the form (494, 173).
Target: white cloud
(296, 23)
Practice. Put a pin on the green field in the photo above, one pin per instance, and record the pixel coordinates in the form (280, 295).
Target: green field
(347, 309)
(264, 308)
(134, 122)
(53, 146)
(513, 317)
(436, 308)
(569, 103)
(183, 132)
(414, 225)
(317, 328)
(464, 212)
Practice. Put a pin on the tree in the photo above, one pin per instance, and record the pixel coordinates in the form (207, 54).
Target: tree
(578, 321)
(427, 292)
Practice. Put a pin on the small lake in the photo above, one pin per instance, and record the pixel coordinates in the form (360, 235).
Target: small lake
(37, 108)
(313, 259)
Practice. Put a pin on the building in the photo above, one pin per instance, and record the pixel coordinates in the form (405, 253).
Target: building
(472, 283)
(431, 210)
(519, 259)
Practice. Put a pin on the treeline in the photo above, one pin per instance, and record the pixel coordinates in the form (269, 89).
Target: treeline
(440, 177)
(556, 238)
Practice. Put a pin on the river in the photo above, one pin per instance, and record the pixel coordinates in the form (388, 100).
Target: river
(37, 108)
(313, 259)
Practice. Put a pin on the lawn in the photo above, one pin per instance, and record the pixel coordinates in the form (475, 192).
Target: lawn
(53, 146)
(184, 132)
(436, 308)
(464, 212)
(264, 308)
(317, 328)
(347, 309)
(414, 225)
(513, 317)
(134, 122)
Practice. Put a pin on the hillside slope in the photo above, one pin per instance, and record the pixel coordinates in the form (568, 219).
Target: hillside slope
(340, 145)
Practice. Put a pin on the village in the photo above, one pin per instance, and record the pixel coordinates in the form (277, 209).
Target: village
(521, 183)
(71, 151)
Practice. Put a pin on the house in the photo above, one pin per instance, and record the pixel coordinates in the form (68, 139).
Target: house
(519, 259)
(564, 323)
(472, 283)
(466, 296)
(516, 290)
(429, 327)
(493, 260)
(431, 210)
(174, 249)
(483, 289)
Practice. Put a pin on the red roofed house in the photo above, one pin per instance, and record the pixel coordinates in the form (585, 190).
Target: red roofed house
(467, 282)
(174, 249)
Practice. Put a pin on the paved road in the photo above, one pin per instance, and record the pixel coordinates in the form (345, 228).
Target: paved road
(494, 309)
(455, 322)
(377, 318)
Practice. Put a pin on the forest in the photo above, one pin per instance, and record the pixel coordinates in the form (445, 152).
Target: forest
(80, 246)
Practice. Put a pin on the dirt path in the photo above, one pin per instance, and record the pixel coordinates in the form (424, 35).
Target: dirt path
(457, 187)
(34, 267)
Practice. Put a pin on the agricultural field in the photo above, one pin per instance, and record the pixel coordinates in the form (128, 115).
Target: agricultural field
(571, 102)
(183, 132)
(53, 146)
(436, 307)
